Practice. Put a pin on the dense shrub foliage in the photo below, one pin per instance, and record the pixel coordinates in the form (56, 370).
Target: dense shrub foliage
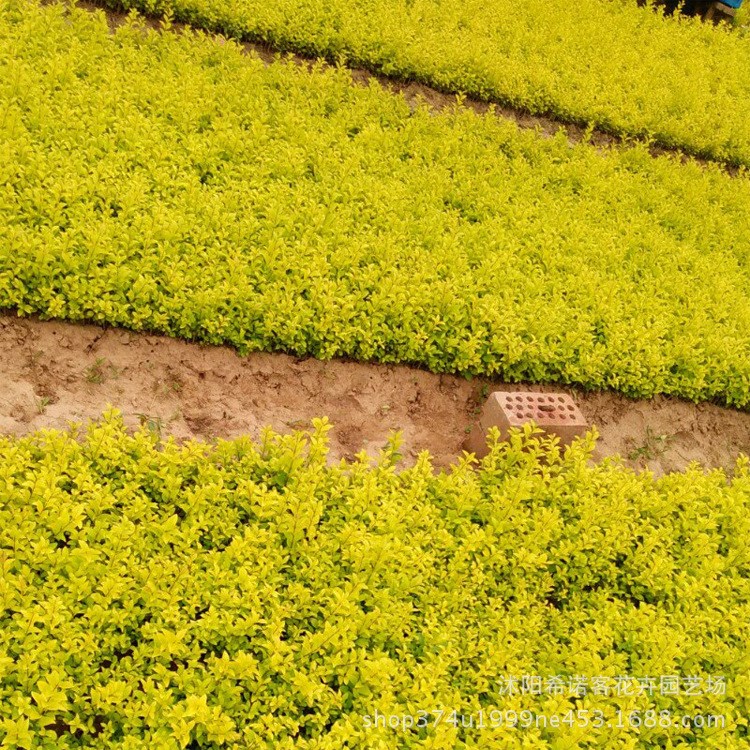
(170, 183)
(250, 596)
(613, 65)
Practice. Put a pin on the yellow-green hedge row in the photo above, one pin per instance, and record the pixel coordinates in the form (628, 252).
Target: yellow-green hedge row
(169, 183)
(250, 596)
(613, 65)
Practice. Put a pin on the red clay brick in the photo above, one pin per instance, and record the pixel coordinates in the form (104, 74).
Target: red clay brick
(555, 413)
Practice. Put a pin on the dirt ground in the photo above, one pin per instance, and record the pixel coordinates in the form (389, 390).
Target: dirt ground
(53, 373)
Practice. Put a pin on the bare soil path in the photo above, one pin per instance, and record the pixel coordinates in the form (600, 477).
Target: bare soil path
(53, 373)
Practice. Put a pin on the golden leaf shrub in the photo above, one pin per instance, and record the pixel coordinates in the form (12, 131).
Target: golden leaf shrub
(169, 183)
(250, 595)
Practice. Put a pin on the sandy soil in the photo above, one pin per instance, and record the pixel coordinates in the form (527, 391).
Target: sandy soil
(53, 373)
